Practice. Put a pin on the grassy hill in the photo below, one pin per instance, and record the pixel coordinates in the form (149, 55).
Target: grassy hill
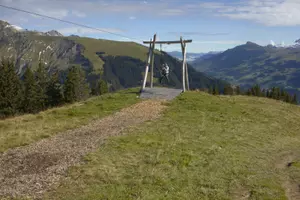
(236, 147)
(121, 64)
(250, 63)
(203, 147)
(26, 129)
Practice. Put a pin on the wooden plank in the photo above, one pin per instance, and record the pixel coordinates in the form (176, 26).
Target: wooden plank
(169, 42)
(160, 93)
(152, 61)
(147, 66)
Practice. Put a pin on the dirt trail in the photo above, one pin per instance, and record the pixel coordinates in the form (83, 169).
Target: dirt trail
(33, 169)
(292, 189)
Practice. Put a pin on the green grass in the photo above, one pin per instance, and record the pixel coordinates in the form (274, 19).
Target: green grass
(112, 48)
(204, 147)
(26, 129)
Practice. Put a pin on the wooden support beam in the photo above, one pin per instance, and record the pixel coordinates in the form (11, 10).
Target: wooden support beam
(187, 77)
(147, 66)
(152, 61)
(168, 42)
(183, 63)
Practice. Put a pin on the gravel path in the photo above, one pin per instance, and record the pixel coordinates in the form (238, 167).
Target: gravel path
(33, 169)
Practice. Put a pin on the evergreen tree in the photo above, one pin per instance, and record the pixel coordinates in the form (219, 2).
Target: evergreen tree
(238, 90)
(215, 90)
(253, 91)
(268, 93)
(76, 88)
(273, 93)
(287, 98)
(277, 93)
(263, 93)
(10, 89)
(210, 91)
(42, 82)
(294, 99)
(226, 92)
(282, 94)
(100, 87)
(249, 92)
(54, 91)
(257, 91)
(230, 90)
(103, 87)
(31, 99)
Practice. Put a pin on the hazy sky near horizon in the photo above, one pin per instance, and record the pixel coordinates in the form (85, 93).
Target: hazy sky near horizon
(214, 25)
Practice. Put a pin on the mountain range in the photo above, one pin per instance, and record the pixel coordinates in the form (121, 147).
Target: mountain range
(121, 64)
(193, 56)
(250, 64)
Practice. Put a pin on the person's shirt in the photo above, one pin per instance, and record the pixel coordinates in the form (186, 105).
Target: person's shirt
(167, 68)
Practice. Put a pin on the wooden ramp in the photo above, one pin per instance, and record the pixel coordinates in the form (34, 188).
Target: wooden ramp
(160, 93)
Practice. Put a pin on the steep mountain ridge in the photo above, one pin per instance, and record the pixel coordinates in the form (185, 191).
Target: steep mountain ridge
(251, 63)
(120, 63)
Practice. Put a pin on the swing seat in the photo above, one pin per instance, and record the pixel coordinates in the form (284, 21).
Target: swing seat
(160, 93)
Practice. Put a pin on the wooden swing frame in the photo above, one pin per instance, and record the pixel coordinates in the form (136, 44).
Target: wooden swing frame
(150, 61)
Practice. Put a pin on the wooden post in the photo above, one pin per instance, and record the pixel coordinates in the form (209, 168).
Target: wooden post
(152, 61)
(187, 77)
(147, 65)
(183, 63)
(187, 72)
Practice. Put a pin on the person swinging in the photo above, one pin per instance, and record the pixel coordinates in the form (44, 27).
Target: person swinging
(164, 72)
(164, 68)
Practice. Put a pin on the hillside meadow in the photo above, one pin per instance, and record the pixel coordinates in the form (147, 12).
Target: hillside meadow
(204, 147)
(25, 129)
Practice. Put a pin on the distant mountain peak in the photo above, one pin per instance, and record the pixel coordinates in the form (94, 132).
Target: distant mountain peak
(54, 33)
(251, 43)
(5, 24)
(2, 22)
(18, 28)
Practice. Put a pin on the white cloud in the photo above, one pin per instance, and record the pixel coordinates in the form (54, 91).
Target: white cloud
(191, 33)
(78, 13)
(171, 12)
(132, 17)
(84, 31)
(267, 12)
(58, 13)
(79, 8)
(227, 42)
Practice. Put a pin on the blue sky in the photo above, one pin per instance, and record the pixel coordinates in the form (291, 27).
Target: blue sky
(213, 25)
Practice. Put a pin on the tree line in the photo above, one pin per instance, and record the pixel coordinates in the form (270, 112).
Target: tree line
(37, 91)
(273, 93)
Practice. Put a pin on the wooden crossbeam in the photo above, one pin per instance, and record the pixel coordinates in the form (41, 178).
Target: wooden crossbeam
(169, 42)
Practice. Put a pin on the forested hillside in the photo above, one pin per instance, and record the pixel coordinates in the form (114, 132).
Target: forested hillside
(121, 64)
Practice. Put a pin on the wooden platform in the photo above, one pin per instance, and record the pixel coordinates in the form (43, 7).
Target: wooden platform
(160, 93)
